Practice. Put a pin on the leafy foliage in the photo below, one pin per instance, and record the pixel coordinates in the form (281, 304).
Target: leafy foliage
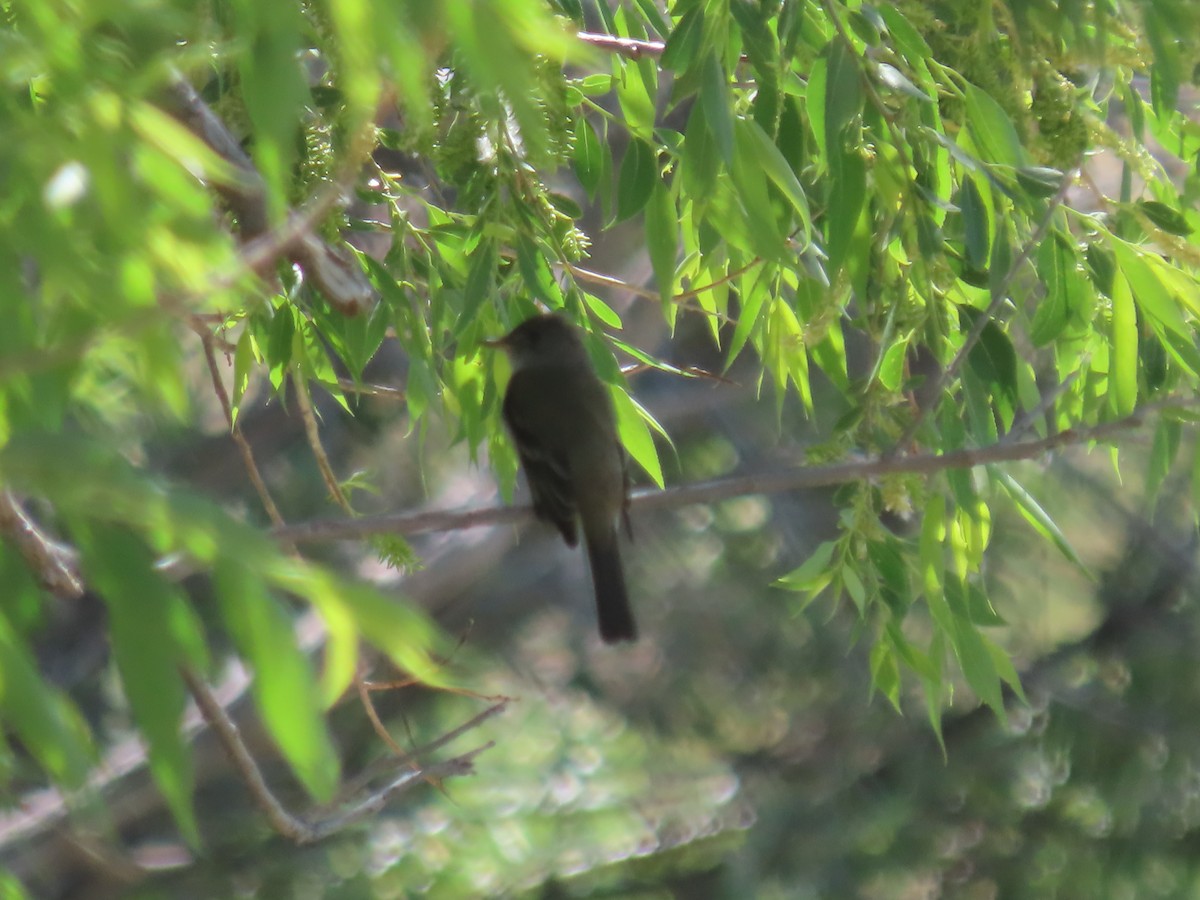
(882, 204)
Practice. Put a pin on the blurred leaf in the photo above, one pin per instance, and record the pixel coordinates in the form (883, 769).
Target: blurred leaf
(1163, 451)
(48, 725)
(154, 633)
(1038, 181)
(893, 78)
(978, 666)
(753, 142)
(1148, 289)
(284, 688)
(1168, 219)
(976, 225)
(843, 98)
(809, 572)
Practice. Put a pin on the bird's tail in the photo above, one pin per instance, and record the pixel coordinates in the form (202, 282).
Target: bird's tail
(608, 579)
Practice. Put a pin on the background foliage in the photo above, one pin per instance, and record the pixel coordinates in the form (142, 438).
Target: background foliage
(891, 230)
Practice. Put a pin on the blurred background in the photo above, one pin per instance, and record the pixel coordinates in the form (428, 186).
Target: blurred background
(735, 749)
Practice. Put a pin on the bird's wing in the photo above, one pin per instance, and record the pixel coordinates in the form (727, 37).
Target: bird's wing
(544, 459)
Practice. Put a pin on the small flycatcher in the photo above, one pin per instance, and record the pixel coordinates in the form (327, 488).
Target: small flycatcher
(561, 418)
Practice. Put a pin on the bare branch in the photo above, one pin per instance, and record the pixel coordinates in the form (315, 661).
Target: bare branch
(321, 823)
(723, 488)
(227, 733)
(374, 802)
(56, 565)
(628, 47)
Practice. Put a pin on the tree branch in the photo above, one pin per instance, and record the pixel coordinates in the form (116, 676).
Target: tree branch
(627, 47)
(54, 564)
(332, 269)
(322, 824)
(723, 488)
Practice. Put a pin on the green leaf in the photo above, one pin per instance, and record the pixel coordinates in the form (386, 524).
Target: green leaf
(755, 143)
(536, 274)
(1039, 182)
(1162, 456)
(766, 234)
(481, 281)
(596, 85)
(718, 105)
(284, 687)
(1036, 516)
(893, 78)
(1165, 217)
(700, 159)
(891, 366)
(811, 570)
(1057, 269)
(908, 39)
(1123, 359)
(752, 300)
(684, 41)
(662, 230)
(639, 174)
(993, 358)
(992, 129)
(636, 97)
(1149, 290)
(48, 724)
(976, 224)
(978, 666)
(635, 435)
(843, 98)
(885, 673)
(589, 156)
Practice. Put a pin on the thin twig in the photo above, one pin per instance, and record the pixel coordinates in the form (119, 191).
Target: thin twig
(999, 296)
(1026, 420)
(313, 432)
(387, 765)
(371, 804)
(364, 697)
(235, 428)
(382, 391)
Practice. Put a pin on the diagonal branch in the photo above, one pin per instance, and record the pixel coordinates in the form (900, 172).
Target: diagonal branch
(56, 565)
(332, 269)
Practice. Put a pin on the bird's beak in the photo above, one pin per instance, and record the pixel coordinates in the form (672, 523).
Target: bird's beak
(500, 343)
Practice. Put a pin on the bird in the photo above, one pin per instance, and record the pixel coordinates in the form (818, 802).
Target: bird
(562, 421)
